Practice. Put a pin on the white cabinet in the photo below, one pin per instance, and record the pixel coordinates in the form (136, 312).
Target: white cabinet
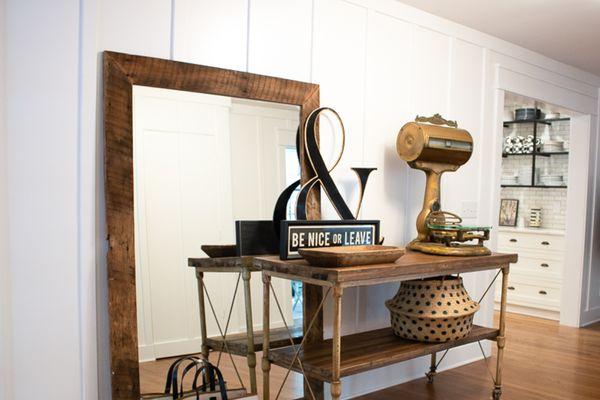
(535, 280)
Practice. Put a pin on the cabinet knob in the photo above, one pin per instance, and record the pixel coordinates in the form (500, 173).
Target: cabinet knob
(513, 240)
(544, 265)
(511, 288)
(544, 243)
(543, 292)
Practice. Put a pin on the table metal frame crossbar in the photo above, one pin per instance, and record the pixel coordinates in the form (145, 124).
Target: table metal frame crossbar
(243, 274)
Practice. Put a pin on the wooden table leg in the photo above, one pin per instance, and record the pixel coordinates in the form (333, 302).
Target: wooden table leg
(311, 299)
(251, 356)
(501, 339)
(432, 368)
(336, 385)
(266, 365)
(203, 336)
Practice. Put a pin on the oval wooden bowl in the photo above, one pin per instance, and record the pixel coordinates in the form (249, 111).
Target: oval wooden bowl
(219, 250)
(345, 256)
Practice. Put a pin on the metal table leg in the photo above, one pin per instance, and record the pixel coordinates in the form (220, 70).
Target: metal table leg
(432, 368)
(266, 365)
(251, 356)
(501, 339)
(336, 385)
(201, 306)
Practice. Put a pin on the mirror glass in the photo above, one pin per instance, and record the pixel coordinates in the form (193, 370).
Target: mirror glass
(201, 162)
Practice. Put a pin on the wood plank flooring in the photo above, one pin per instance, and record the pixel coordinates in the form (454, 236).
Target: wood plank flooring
(542, 361)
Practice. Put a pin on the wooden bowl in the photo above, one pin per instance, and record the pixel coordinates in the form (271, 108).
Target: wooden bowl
(219, 250)
(345, 256)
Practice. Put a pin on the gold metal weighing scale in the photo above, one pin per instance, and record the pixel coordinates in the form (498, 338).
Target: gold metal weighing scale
(435, 145)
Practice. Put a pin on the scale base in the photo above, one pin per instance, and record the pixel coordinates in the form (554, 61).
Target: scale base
(455, 249)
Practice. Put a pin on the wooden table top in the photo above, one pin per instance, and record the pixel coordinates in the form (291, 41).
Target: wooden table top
(222, 264)
(413, 265)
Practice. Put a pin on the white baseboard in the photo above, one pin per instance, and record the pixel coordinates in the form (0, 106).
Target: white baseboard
(531, 311)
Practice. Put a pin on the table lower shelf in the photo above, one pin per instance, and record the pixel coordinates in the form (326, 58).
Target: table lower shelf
(238, 343)
(366, 351)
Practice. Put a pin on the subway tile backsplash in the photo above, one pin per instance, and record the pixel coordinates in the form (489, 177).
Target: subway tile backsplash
(553, 203)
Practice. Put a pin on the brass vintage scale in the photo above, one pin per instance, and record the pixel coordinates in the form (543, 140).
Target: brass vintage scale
(435, 145)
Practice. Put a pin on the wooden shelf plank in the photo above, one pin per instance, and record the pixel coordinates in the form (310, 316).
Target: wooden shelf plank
(366, 351)
(238, 343)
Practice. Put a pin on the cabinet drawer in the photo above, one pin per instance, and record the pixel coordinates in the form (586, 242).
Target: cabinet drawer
(540, 296)
(545, 268)
(516, 241)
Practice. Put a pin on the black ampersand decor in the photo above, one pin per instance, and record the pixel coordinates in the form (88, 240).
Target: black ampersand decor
(322, 176)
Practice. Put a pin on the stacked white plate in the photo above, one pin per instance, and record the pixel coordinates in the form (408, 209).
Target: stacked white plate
(552, 146)
(509, 180)
(525, 176)
(551, 180)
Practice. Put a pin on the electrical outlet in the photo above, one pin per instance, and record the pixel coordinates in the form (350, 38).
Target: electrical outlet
(469, 209)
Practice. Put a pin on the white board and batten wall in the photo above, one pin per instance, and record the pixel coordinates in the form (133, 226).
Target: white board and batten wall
(379, 63)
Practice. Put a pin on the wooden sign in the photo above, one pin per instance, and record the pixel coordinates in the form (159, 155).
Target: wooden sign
(310, 234)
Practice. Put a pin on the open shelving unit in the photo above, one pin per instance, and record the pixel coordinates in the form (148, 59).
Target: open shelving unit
(535, 153)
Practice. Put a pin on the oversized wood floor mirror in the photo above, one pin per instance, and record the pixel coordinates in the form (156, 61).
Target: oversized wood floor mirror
(122, 73)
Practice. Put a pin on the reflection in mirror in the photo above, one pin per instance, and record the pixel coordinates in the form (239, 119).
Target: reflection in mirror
(201, 162)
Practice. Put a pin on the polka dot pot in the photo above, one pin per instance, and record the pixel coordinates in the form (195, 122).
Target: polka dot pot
(432, 310)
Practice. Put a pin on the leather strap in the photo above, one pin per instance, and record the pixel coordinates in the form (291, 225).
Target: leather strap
(173, 372)
(220, 381)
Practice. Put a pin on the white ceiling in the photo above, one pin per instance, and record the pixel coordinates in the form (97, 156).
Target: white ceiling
(565, 30)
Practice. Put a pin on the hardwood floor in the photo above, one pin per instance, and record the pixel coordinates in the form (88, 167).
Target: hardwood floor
(542, 361)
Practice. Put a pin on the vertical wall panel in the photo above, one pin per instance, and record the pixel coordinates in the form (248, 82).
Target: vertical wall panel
(211, 32)
(339, 67)
(465, 106)
(280, 38)
(5, 295)
(431, 72)
(387, 108)
(430, 80)
(42, 138)
(129, 26)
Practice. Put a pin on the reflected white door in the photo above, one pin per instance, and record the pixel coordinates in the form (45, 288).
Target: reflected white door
(183, 199)
(260, 135)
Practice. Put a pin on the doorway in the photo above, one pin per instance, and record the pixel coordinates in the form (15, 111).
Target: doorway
(533, 202)
(542, 162)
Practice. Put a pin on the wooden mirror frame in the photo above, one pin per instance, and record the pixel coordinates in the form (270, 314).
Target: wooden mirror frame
(121, 72)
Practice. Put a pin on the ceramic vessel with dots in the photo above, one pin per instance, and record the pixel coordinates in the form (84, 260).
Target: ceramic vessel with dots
(432, 310)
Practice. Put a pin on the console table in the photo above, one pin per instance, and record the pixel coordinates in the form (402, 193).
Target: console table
(330, 360)
(244, 344)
